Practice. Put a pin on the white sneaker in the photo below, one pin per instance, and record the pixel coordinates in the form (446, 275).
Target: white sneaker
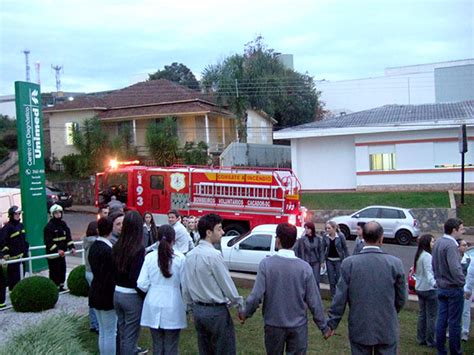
(464, 337)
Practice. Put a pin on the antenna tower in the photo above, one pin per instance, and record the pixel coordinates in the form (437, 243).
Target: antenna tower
(57, 69)
(37, 68)
(27, 64)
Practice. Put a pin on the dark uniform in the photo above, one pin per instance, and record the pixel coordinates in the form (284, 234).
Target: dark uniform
(15, 247)
(57, 236)
(3, 284)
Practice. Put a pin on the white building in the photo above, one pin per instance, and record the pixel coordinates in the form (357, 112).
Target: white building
(415, 84)
(389, 147)
(259, 127)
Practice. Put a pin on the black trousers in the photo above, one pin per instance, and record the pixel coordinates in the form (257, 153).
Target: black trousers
(3, 286)
(14, 275)
(57, 270)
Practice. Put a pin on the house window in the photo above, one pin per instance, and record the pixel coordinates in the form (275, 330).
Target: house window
(70, 126)
(382, 161)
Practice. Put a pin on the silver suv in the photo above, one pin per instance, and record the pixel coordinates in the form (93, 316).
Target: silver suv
(398, 223)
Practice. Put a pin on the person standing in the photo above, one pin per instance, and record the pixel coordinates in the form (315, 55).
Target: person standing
(450, 281)
(116, 218)
(57, 239)
(373, 283)
(163, 309)
(149, 230)
(469, 286)
(128, 255)
(183, 239)
(280, 278)
(426, 290)
(208, 289)
(3, 282)
(87, 241)
(359, 242)
(335, 252)
(92, 226)
(101, 292)
(192, 229)
(15, 245)
(466, 313)
(310, 248)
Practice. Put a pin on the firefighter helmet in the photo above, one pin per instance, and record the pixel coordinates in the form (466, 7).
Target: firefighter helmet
(55, 208)
(12, 210)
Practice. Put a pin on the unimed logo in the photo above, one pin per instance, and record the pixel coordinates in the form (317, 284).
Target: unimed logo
(33, 129)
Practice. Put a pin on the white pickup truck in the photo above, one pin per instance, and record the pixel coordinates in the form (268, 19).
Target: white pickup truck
(8, 198)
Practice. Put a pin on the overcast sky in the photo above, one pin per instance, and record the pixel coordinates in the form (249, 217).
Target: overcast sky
(106, 44)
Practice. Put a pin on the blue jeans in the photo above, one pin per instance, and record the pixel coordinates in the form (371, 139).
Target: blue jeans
(128, 307)
(450, 307)
(93, 323)
(334, 272)
(108, 331)
(428, 303)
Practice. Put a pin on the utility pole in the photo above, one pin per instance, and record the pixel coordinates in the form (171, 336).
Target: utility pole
(27, 64)
(37, 69)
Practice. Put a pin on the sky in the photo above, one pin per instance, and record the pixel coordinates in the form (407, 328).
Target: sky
(104, 45)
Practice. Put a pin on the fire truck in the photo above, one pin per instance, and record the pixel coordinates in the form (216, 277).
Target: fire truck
(243, 197)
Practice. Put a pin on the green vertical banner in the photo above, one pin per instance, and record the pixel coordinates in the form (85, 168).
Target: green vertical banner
(29, 123)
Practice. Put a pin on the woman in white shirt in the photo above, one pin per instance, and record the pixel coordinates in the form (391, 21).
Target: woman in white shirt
(426, 290)
(163, 309)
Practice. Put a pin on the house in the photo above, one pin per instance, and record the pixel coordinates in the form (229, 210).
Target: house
(259, 127)
(392, 147)
(136, 107)
(441, 82)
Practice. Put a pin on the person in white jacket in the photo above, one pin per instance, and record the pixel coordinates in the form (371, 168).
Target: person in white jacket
(163, 309)
(468, 290)
(426, 290)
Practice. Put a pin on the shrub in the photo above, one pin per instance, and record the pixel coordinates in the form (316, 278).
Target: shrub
(10, 141)
(34, 294)
(73, 164)
(3, 153)
(54, 335)
(77, 283)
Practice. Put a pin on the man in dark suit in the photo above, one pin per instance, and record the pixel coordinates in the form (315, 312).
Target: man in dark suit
(373, 283)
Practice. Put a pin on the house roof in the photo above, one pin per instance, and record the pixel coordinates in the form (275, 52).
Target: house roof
(388, 116)
(144, 98)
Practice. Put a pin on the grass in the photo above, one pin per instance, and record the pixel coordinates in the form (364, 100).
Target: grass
(466, 211)
(54, 335)
(358, 200)
(250, 336)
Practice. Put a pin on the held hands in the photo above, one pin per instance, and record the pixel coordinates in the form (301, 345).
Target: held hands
(241, 317)
(329, 333)
(61, 253)
(467, 295)
(73, 252)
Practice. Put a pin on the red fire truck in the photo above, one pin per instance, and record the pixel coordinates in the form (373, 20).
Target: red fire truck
(243, 197)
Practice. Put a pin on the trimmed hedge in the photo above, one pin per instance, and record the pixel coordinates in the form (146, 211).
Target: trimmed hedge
(34, 294)
(77, 283)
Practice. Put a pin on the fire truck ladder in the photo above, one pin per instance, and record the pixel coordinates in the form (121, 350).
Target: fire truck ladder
(239, 192)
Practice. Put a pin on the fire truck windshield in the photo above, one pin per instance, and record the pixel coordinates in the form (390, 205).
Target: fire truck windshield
(114, 184)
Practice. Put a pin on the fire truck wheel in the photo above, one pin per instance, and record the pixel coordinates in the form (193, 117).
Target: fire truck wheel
(234, 230)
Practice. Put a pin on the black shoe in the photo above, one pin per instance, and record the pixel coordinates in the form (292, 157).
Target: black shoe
(94, 330)
(141, 350)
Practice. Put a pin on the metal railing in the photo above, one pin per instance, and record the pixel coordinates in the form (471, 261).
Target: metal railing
(30, 258)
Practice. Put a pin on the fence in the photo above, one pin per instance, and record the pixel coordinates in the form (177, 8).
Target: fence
(30, 258)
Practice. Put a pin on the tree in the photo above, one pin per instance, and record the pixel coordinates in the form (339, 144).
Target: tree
(162, 141)
(195, 154)
(122, 146)
(178, 73)
(92, 143)
(257, 79)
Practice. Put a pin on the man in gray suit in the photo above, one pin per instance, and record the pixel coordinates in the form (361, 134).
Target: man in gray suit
(373, 283)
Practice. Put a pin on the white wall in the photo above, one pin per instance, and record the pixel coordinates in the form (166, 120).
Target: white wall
(324, 163)
(259, 129)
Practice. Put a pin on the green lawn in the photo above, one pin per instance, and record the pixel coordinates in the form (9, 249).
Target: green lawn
(466, 211)
(250, 337)
(358, 200)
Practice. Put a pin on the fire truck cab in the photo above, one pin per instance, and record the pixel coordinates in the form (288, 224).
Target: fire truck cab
(243, 197)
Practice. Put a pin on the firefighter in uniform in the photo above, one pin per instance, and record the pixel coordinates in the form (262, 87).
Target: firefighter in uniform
(57, 239)
(15, 245)
(3, 283)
